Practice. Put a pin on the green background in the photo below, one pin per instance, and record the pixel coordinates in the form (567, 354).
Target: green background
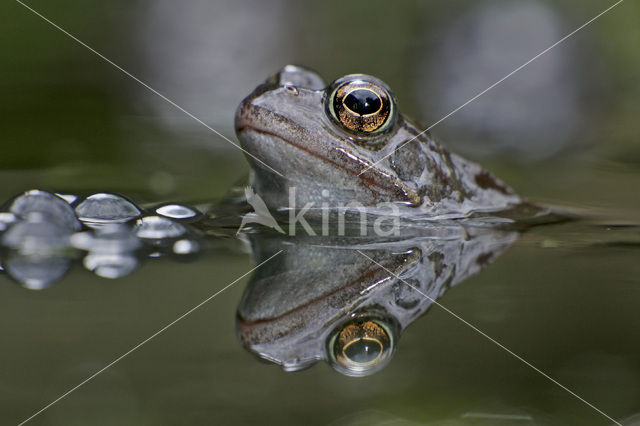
(560, 298)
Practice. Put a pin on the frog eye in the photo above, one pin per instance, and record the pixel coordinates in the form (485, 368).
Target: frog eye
(361, 346)
(361, 104)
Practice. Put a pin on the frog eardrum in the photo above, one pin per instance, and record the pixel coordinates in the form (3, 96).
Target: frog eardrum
(361, 104)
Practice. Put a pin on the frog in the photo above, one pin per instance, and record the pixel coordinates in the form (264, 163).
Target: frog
(347, 300)
(347, 143)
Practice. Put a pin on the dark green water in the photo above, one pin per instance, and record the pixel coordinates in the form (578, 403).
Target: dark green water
(563, 297)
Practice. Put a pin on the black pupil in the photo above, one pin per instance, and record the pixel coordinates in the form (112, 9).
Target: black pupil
(363, 351)
(362, 101)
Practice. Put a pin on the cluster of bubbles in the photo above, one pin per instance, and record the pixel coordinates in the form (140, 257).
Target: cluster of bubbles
(42, 234)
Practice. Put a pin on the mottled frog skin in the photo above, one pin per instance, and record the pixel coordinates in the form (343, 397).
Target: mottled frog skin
(347, 300)
(348, 143)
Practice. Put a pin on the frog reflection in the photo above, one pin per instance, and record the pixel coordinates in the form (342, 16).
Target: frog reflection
(346, 300)
(343, 299)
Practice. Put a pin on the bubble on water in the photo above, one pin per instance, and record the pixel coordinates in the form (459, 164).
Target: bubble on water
(177, 211)
(6, 219)
(36, 246)
(54, 208)
(106, 208)
(110, 265)
(185, 247)
(110, 238)
(36, 272)
(36, 236)
(110, 249)
(157, 227)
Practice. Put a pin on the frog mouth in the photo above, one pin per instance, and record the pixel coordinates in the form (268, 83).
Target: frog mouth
(252, 135)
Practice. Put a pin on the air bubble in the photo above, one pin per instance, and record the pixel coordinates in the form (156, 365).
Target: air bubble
(54, 208)
(36, 236)
(6, 219)
(111, 238)
(35, 272)
(177, 211)
(157, 227)
(110, 265)
(185, 247)
(106, 208)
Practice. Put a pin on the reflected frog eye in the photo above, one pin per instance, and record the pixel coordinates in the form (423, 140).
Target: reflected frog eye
(361, 346)
(361, 105)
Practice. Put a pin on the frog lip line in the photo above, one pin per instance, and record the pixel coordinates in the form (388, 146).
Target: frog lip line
(371, 271)
(242, 126)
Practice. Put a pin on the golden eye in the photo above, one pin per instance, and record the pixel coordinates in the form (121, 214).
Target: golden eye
(361, 104)
(361, 347)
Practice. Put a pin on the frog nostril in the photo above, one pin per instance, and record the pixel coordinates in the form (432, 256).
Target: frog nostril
(292, 89)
